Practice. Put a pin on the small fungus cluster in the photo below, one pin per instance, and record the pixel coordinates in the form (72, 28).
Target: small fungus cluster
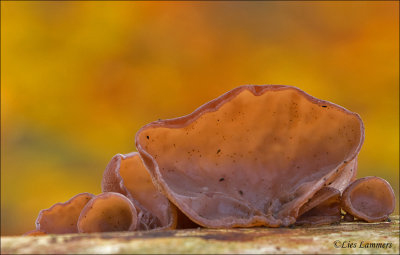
(256, 156)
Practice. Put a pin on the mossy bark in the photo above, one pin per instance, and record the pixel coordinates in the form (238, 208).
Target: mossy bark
(352, 237)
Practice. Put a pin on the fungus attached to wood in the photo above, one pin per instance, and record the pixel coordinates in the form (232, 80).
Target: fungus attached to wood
(256, 156)
(369, 198)
(276, 147)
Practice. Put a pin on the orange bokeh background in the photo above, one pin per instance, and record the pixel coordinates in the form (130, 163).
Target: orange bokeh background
(78, 79)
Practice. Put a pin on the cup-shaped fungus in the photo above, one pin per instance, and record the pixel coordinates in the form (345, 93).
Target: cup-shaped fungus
(107, 212)
(127, 175)
(62, 217)
(251, 157)
(369, 198)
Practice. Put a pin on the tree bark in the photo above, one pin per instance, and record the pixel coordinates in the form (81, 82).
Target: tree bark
(347, 237)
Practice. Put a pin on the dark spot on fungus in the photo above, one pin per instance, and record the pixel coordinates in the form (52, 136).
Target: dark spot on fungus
(218, 151)
(147, 137)
(323, 105)
(241, 192)
(222, 179)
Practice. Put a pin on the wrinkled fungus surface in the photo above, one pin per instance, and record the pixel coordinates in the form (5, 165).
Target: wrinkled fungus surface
(251, 157)
(62, 217)
(370, 198)
(108, 212)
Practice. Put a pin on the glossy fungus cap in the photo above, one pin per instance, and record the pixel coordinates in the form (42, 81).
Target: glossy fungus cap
(251, 157)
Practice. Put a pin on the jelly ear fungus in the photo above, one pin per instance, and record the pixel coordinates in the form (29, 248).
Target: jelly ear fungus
(62, 218)
(127, 175)
(251, 157)
(107, 212)
(369, 198)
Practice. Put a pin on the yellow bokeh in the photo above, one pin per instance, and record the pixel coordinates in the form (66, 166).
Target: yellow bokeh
(78, 79)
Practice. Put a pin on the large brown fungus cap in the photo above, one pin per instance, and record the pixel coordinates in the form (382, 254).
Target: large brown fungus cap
(127, 175)
(251, 157)
(369, 198)
(107, 212)
(62, 217)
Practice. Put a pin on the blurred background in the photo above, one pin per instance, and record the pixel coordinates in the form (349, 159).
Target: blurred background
(78, 79)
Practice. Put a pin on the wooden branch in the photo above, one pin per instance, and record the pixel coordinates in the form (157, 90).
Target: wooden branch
(354, 237)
